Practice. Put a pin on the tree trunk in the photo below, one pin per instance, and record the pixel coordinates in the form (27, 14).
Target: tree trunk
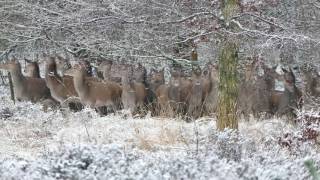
(228, 87)
(228, 82)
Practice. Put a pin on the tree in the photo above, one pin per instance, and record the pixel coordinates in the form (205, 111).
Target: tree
(228, 87)
(228, 78)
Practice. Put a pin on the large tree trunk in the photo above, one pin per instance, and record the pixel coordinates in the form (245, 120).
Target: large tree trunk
(228, 82)
(228, 87)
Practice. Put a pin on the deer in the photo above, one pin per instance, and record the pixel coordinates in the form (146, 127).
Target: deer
(133, 93)
(105, 69)
(62, 88)
(254, 92)
(154, 80)
(88, 67)
(195, 95)
(312, 80)
(288, 97)
(210, 81)
(93, 93)
(175, 92)
(162, 100)
(32, 69)
(174, 95)
(26, 88)
(62, 65)
(139, 73)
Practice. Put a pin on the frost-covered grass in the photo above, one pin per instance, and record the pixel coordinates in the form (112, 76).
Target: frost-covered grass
(55, 145)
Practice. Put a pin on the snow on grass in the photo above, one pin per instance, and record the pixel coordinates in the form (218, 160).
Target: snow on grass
(55, 145)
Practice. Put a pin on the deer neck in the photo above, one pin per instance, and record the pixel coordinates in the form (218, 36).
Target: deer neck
(17, 79)
(80, 84)
(36, 71)
(153, 86)
(126, 82)
(51, 76)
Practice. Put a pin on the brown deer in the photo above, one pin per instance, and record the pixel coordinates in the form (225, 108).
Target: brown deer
(88, 67)
(26, 88)
(139, 73)
(195, 99)
(254, 91)
(155, 79)
(133, 93)
(175, 95)
(175, 92)
(312, 80)
(32, 69)
(95, 94)
(286, 99)
(116, 72)
(62, 88)
(105, 69)
(62, 65)
(162, 106)
(210, 91)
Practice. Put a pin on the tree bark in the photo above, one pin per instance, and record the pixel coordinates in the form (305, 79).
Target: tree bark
(228, 80)
(228, 87)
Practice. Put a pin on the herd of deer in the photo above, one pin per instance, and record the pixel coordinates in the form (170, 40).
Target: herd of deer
(117, 85)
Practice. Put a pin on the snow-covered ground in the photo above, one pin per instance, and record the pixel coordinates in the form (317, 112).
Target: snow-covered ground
(55, 145)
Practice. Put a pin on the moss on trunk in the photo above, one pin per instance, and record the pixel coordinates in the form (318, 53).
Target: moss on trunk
(228, 87)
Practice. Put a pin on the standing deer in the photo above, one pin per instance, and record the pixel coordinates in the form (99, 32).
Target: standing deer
(26, 88)
(155, 79)
(116, 72)
(104, 69)
(62, 65)
(139, 73)
(95, 94)
(312, 80)
(32, 69)
(133, 93)
(255, 90)
(62, 88)
(210, 90)
(288, 98)
(195, 99)
(173, 97)
(88, 67)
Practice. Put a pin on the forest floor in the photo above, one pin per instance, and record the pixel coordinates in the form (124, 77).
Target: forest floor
(54, 145)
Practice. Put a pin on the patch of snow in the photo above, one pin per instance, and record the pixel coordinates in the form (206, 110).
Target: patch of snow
(55, 145)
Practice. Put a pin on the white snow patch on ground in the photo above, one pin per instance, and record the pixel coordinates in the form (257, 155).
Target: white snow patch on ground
(148, 148)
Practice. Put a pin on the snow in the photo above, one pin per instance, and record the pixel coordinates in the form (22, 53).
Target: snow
(58, 145)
